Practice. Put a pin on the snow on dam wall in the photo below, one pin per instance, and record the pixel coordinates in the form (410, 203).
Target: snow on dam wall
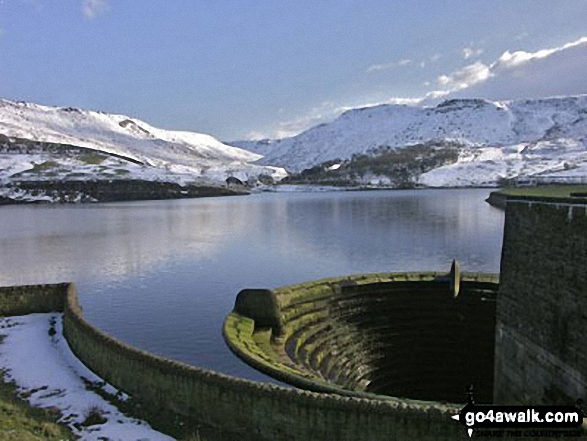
(541, 330)
(227, 408)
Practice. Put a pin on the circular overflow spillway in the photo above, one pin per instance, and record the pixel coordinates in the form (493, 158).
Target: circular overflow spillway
(421, 336)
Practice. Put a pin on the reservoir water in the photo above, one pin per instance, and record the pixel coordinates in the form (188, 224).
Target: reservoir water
(162, 275)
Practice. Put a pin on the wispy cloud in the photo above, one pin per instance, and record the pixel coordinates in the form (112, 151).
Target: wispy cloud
(94, 8)
(518, 74)
(402, 63)
(387, 66)
(471, 52)
(465, 77)
(290, 127)
(546, 72)
(324, 112)
(432, 59)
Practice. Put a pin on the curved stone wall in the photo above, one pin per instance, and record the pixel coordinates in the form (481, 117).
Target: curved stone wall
(229, 408)
(375, 336)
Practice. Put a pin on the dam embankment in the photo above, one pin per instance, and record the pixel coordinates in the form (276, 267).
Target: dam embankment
(542, 307)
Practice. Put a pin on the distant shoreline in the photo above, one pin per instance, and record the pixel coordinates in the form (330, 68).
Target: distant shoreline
(276, 188)
(118, 190)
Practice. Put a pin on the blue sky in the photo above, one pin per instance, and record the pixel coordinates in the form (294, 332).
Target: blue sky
(236, 69)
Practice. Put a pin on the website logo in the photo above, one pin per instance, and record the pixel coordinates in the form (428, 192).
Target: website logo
(540, 417)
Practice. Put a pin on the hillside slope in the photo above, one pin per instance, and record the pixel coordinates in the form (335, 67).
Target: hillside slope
(494, 140)
(65, 143)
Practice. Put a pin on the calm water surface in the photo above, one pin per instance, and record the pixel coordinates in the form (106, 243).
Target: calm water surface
(162, 275)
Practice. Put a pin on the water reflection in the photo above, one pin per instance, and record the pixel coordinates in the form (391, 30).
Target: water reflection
(112, 241)
(163, 274)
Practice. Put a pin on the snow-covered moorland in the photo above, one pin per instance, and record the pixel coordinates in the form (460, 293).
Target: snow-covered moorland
(51, 143)
(495, 140)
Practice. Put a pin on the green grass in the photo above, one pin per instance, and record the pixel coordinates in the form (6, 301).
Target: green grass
(553, 191)
(43, 166)
(21, 422)
(92, 158)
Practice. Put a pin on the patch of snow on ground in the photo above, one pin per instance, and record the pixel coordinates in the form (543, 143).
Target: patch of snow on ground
(485, 166)
(45, 367)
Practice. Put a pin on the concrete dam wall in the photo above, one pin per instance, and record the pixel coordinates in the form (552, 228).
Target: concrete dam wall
(541, 338)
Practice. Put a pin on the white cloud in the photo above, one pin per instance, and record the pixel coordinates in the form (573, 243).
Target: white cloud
(465, 77)
(434, 95)
(519, 74)
(432, 59)
(402, 63)
(94, 8)
(324, 112)
(387, 66)
(283, 129)
(471, 52)
(256, 136)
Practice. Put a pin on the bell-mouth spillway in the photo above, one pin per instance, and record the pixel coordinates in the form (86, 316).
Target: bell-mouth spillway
(414, 336)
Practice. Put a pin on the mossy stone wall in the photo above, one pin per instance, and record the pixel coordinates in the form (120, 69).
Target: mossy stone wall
(541, 334)
(28, 299)
(231, 408)
(223, 407)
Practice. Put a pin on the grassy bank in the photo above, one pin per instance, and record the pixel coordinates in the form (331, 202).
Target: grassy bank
(21, 422)
(498, 198)
(546, 191)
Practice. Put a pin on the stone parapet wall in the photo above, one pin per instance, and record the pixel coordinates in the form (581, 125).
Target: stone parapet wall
(28, 299)
(541, 335)
(238, 409)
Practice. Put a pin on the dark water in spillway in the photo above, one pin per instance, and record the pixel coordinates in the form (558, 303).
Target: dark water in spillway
(162, 275)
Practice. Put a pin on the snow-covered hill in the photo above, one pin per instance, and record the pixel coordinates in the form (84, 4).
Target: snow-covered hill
(496, 140)
(128, 147)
